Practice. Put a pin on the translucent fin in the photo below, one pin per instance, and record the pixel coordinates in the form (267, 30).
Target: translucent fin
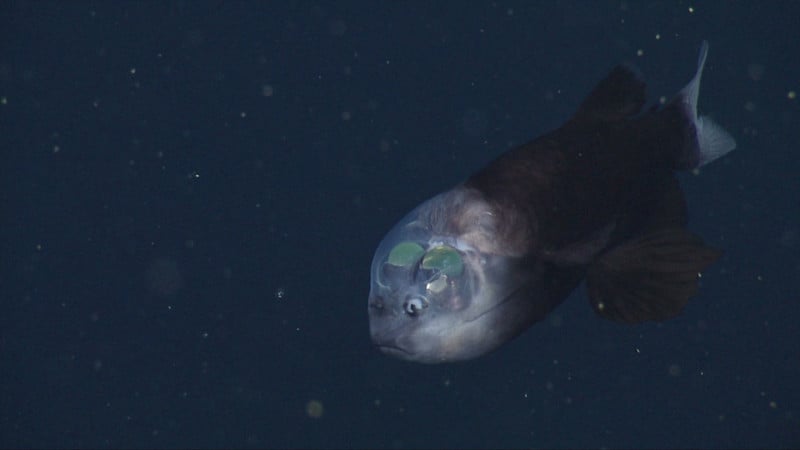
(712, 140)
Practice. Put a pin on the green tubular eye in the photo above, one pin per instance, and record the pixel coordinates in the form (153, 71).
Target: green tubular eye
(445, 259)
(405, 254)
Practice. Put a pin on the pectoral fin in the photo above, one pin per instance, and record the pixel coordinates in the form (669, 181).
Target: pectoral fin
(650, 277)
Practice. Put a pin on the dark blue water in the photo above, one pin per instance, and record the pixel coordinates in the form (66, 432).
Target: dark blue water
(192, 192)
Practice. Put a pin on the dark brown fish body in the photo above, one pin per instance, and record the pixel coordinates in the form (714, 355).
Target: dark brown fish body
(596, 199)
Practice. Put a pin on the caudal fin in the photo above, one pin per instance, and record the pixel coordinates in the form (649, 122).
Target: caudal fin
(710, 141)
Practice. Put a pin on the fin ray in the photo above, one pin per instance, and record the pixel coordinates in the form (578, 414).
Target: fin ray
(650, 277)
(710, 141)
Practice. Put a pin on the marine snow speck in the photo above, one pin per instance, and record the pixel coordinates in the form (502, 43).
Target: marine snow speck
(596, 199)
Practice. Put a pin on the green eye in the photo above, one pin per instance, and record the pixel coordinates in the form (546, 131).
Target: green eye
(444, 259)
(405, 254)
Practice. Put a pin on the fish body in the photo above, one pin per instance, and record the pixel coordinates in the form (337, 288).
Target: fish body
(594, 200)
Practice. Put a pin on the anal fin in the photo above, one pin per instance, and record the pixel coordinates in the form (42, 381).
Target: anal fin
(650, 277)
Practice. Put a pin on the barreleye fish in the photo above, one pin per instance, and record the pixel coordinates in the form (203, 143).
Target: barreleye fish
(596, 199)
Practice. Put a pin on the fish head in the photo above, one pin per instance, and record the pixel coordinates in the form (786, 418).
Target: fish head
(438, 293)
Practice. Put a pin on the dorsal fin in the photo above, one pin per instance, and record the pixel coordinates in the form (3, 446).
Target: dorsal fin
(619, 95)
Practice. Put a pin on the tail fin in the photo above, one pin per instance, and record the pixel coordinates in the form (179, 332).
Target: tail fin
(710, 140)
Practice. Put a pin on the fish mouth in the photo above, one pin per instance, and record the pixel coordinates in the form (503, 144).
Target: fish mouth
(391, 349)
